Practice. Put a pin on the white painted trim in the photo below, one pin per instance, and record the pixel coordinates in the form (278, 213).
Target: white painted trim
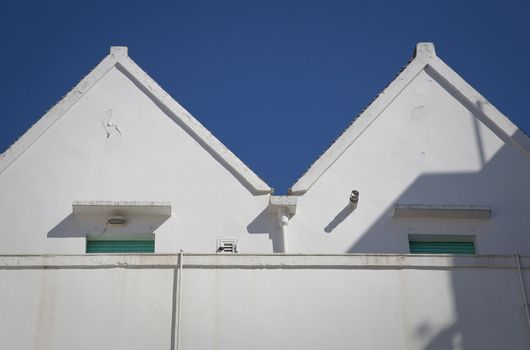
(194, 127)
(442, 211)
(44, 123)
(121, 208)
(277, 203)
(490, 115)
(425, 58)
(118, 58)
(370, 114)
(262, 261)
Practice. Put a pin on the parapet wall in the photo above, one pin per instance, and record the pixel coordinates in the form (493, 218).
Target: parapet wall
(263, 302)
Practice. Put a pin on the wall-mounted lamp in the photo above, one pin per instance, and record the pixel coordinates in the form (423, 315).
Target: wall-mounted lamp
(354, 199)
(116, 221)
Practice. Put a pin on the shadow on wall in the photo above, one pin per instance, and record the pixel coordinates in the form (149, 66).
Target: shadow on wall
(265, 223)
(337, 220)
(95, 226)
(485, 187)
(484, 310)
(481, 188)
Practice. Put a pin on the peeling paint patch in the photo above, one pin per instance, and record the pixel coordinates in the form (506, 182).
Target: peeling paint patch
(113, 126)
(112, 132)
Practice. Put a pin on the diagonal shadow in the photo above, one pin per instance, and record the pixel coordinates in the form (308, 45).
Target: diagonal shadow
(341, 216)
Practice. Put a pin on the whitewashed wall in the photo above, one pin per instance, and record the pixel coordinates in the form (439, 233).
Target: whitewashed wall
(263, 302)
(117, 144)
(427, 147)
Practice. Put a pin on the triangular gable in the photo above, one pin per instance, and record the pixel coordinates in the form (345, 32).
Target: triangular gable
(424, 59)
(118, 58)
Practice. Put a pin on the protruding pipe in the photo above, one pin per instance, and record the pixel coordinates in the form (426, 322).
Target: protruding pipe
(354, 199)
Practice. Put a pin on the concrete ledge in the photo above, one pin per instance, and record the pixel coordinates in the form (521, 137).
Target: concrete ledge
(442, 211)
(276, 203)
(266, 261)
(121, 208)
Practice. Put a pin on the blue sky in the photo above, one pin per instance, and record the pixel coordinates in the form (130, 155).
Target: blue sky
(275, 81)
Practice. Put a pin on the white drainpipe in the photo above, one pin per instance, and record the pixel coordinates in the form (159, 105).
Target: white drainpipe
(179, 303)
(284, 207)
(523, 289)
(283, 221)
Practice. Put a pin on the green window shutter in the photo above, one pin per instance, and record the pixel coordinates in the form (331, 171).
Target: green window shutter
(120, 246)
(441, 247)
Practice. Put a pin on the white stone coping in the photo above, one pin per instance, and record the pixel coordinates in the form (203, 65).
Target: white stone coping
(442, 211)
(282, 202)
(121, 208)
(262, 261)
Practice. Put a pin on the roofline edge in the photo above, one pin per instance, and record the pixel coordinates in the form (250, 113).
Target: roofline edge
(118, 57)
(424, 57)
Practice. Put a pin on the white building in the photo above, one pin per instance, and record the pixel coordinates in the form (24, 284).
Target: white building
(118, 166)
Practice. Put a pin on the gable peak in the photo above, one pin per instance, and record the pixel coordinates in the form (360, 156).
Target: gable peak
(119, 51)
(119, 58)
(424, 50)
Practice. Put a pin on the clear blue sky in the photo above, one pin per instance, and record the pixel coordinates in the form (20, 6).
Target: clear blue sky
(275, 81)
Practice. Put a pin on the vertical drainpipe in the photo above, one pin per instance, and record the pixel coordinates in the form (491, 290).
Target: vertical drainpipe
(179, 302)
(283, 221)
(523, 289)
(284, 207)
